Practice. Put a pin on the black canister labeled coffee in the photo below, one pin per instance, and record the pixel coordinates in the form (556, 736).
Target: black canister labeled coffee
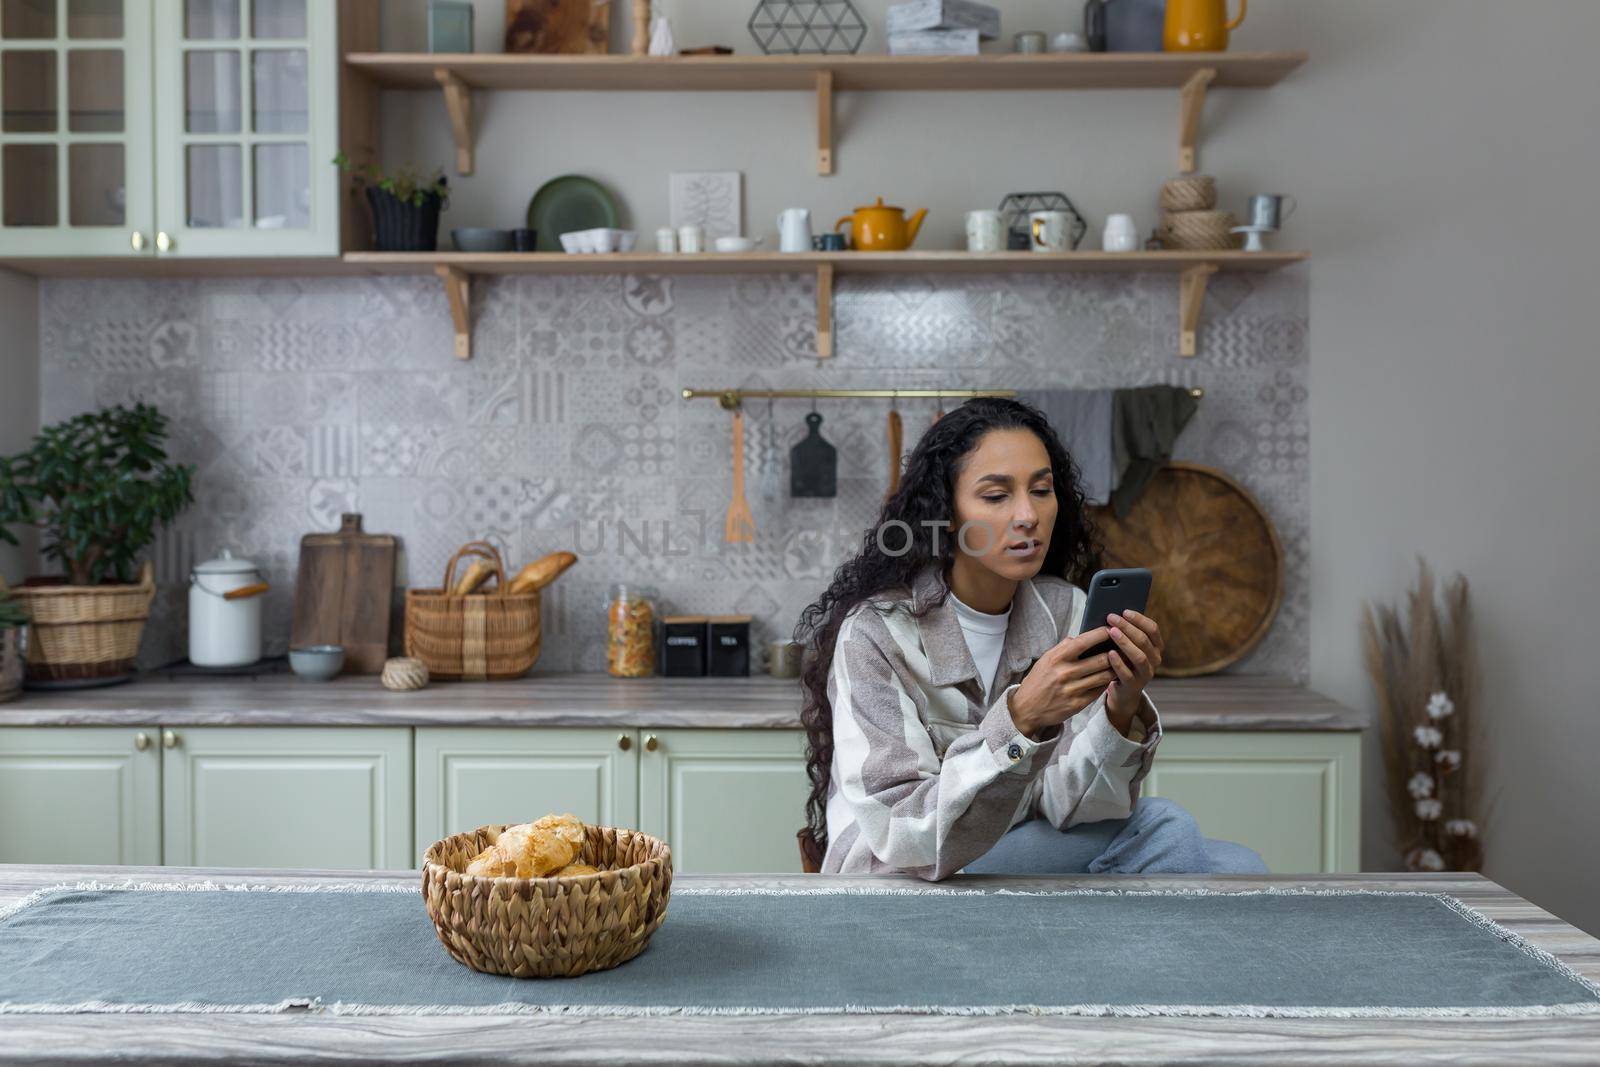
(729, 651)
(683, 652)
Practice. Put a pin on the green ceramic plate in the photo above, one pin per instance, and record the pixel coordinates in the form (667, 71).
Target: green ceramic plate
(570, 202)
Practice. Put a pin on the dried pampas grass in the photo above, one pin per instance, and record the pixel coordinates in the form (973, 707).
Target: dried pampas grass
(1425, 672)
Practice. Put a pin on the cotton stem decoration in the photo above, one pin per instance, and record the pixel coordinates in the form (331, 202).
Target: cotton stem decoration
(740, 525)
(1425, 673)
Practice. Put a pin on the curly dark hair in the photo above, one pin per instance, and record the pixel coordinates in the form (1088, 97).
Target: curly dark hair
(926, 494)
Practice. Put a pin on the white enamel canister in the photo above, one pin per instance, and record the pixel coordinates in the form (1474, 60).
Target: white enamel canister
(225, 612)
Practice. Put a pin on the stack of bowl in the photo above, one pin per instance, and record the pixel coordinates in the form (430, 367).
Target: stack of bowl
(1189, 219)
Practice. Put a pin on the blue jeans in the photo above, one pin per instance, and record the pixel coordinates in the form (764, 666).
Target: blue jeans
(1159, 837)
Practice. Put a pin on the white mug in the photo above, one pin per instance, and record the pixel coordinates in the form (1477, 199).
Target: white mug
(1048, 231)
(691, 238)
(794, 230)
(986, 231)
(1120, 235)
(666, 239)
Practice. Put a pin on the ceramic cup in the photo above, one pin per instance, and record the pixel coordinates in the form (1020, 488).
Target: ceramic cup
(1120, 235)
(1049, 231)
(1067, 41)
(783, 659)
(525, 240)
(691, 238)
(1268, 211)
(666, 239)
(828, 242)
(986, 231)
(1028, 41)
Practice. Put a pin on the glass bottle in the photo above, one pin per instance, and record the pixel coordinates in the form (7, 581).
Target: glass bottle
(630, 632)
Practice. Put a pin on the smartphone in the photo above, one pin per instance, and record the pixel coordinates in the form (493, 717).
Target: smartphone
(1111, 591)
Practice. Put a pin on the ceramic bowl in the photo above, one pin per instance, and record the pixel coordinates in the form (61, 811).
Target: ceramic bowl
(481, 239)
(317, 663)
(736, 244)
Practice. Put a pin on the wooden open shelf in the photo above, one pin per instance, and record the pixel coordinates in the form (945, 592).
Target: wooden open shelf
(459, 75)
(455, 270)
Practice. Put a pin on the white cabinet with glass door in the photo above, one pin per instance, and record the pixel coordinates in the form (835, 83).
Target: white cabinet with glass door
(168, 127)
(77, 175)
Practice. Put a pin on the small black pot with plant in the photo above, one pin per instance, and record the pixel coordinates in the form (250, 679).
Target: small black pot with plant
(405, 205)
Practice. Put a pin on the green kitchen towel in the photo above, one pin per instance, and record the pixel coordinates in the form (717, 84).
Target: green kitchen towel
(354, 950)
(1145, 424)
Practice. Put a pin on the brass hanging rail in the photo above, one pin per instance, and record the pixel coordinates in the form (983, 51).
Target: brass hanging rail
(730, 398)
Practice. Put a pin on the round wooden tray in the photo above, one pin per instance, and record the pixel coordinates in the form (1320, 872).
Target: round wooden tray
(1217, 561)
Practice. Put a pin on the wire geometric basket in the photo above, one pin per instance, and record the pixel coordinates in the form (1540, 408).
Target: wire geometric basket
(1014, 211)
(807, 27)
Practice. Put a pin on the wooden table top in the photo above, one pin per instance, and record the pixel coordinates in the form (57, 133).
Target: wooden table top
(822, 1039)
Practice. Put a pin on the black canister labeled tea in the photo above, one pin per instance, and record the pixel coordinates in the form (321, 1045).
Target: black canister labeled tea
(729, 651)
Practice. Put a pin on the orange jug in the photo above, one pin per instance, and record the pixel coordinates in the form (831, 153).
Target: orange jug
(1199, 25)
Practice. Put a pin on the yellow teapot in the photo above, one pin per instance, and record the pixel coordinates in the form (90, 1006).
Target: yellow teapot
(1199, 25)
(880, 228)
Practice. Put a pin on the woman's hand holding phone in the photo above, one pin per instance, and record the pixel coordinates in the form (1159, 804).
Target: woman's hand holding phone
(1059, 684)
(1134, 661)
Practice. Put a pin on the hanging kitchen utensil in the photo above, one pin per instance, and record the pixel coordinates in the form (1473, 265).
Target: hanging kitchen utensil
(771, 461)
(894, 448)
(740, 524)
(813, 463)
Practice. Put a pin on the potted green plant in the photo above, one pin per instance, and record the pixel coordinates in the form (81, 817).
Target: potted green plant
(13, 617)
(98, 486)
(405, 204)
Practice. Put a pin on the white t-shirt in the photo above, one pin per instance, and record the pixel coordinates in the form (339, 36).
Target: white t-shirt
(986, 636)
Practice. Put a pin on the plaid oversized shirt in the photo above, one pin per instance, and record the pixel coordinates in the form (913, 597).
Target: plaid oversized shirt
(925, 777)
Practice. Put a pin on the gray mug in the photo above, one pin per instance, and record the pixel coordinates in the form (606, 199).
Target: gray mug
(1267, 211)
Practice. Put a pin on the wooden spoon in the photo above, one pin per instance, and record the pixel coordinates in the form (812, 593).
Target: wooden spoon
(740, 524)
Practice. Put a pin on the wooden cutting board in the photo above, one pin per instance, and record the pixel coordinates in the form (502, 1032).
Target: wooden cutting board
(343, 591)
(554, 26)
(1217, 561)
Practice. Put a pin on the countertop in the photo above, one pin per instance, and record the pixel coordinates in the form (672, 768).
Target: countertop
(858, 1039)
(1219, 702)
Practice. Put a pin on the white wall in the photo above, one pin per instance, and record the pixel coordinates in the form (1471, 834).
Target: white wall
(1445, 156)
(19, 394)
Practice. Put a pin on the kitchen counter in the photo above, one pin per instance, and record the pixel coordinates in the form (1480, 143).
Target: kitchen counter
(860, 1039)
(1219, 702)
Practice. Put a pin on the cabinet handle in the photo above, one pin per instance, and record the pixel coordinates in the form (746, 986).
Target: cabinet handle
(169, 739)
(163, 242)
(141, 740)
(136, 239)
(651, 744)
(624, 742)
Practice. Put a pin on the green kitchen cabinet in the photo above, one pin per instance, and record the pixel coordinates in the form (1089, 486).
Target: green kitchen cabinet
(466, 778)
(726, 801)
(1293, 797)
(80, 794)
(300, 796)
(160, 128)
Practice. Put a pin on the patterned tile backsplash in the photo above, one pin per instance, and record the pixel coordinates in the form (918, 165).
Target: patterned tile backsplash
(300, 399)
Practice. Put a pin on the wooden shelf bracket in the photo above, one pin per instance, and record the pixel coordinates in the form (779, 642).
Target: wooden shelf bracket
(1191, 294)
(458, 101)
(458, 290)
(825, 311)
(825, 122)
(1193, 100)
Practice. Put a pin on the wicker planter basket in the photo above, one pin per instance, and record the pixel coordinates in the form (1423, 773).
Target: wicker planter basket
(1199, 230)
(555, 926)
(481, 636)
(85, 632)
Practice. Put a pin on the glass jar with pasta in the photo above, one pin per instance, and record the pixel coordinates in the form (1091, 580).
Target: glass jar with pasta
(630, 632)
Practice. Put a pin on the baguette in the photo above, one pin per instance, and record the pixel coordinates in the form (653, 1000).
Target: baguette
(475, 576)
(541, 572)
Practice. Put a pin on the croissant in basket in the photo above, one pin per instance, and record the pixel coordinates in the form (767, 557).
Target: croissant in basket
(532, 850)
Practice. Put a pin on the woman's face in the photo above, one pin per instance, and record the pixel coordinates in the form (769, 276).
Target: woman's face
(1005, 501)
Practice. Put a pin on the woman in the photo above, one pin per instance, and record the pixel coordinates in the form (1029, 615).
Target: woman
(951, 725)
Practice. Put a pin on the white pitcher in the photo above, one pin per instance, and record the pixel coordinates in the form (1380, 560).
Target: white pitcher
(794, 230)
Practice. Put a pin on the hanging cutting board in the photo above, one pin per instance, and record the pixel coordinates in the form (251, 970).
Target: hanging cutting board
(1217, 561)
(556, 26)
(813, 463)
(342, 594)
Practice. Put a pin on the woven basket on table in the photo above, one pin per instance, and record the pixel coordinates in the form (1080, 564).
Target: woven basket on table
(492, 635)
(555, 926)
(84, 632)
